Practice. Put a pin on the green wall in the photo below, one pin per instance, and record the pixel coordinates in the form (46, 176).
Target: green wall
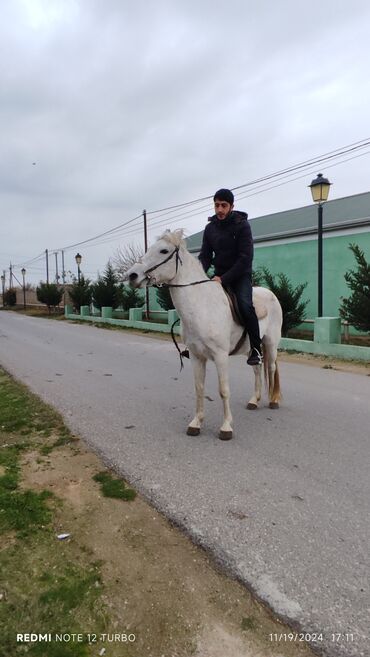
(298, 260)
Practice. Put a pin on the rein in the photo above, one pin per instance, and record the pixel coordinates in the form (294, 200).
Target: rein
(206, 280)
(185, 352)
(178, 260)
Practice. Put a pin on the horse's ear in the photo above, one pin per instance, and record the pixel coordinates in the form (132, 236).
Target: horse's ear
(179, 236)
(176, 237)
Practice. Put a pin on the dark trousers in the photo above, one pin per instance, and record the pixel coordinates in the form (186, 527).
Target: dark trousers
(243, 291)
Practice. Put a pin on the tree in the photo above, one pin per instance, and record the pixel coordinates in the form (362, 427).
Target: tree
(294, 309)
(10, 297)
(80, 292)
(49, 294)
(257, 277)
(126, 257)
(131, 298)
(164, 298)
(106, 291)
(356, 309)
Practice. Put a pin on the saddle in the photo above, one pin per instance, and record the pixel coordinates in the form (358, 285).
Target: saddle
(261, 312)
(260, 308)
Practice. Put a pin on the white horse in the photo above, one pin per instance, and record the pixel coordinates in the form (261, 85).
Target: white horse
(208, 327)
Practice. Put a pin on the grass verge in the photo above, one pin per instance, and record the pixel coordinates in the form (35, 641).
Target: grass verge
(45, 585)
(107, 574)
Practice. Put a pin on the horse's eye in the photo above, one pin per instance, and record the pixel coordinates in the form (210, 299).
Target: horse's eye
(164, 251)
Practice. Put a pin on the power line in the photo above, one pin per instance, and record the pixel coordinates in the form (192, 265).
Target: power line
(111, 230)
(259, 186)
(317, 160)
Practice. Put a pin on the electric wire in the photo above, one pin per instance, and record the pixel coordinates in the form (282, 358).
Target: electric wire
(189, 214)
(318, 159)
(256, 187)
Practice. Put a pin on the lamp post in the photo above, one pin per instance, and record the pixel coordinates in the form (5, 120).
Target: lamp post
(78, 259)
(3, 286)
(320, 192)
(24, 287)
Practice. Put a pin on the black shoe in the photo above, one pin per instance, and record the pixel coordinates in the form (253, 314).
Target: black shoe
(255, 357)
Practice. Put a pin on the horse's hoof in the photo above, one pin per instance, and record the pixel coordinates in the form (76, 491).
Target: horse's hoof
(251, 406)
(225, 435)
(274, 405)
(193, 431)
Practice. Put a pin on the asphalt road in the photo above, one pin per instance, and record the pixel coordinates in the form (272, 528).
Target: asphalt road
(284, 506)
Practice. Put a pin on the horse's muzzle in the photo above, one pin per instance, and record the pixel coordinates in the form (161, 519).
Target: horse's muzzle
(135, 280)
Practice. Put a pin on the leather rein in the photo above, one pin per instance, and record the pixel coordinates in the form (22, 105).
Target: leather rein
(185, 352)
(178, 260)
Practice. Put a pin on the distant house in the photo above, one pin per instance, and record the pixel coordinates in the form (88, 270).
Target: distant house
(287, 242)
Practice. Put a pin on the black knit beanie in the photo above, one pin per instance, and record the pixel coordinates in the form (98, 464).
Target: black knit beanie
(224, 195)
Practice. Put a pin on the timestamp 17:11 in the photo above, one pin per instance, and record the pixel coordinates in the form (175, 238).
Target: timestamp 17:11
(337, 637)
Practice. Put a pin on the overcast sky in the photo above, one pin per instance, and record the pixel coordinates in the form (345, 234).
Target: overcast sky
(112, 106)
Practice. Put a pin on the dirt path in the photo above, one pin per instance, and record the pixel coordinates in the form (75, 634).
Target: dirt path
(327, 362)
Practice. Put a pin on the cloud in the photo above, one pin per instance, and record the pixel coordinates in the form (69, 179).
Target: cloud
(128, 105)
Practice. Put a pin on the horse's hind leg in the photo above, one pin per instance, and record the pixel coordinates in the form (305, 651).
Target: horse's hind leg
(272, 373)
(253, 402)
(222, 365)
(199, 370)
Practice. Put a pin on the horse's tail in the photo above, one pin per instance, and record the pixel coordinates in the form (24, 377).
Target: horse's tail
(272, 376)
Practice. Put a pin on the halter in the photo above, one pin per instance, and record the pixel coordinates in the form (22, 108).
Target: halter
(178, 260)
(185, 352)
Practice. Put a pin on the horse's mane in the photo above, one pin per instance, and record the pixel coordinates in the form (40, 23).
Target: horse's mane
(176, 237)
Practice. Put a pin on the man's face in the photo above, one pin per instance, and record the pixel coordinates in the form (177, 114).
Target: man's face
(222, 209)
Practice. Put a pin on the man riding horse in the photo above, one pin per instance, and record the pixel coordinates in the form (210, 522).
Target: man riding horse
(228, 244)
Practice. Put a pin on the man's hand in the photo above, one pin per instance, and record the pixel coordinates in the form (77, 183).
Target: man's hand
(217, 279)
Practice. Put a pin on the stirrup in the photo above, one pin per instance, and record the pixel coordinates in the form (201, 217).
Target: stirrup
(255, 357)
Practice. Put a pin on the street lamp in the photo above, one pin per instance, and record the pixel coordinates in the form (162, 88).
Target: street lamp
(78, 259)
(24, 287)
(320, 192)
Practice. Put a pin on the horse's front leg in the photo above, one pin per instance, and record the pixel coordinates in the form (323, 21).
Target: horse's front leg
(222, 365)
(199, 370)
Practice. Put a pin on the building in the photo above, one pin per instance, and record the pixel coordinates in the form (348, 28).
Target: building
(287, 242)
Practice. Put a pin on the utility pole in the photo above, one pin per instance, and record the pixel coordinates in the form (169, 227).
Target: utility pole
(47, 265)
(56, 268)
(63, 271)
(146, 248)
(3, 284)
(10, 276)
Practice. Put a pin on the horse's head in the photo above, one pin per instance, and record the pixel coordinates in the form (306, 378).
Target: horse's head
(160, 263)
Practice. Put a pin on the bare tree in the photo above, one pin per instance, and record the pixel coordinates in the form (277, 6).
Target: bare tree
(125, 257)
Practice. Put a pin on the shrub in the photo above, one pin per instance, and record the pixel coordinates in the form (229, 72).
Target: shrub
(106, 291)
(164, 298)
(10, 297)
(131, 298)
(257, 277)
(49, 294)
(80, 293)
(294, 309)
(356, 309)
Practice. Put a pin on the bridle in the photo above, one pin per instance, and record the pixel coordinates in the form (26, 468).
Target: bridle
(178, 260)
(185, 352)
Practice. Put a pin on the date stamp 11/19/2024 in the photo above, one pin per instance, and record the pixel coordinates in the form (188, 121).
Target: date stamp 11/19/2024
(312, 637)
(90, 637)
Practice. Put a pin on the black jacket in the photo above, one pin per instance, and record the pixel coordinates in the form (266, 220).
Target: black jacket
(228, 245)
